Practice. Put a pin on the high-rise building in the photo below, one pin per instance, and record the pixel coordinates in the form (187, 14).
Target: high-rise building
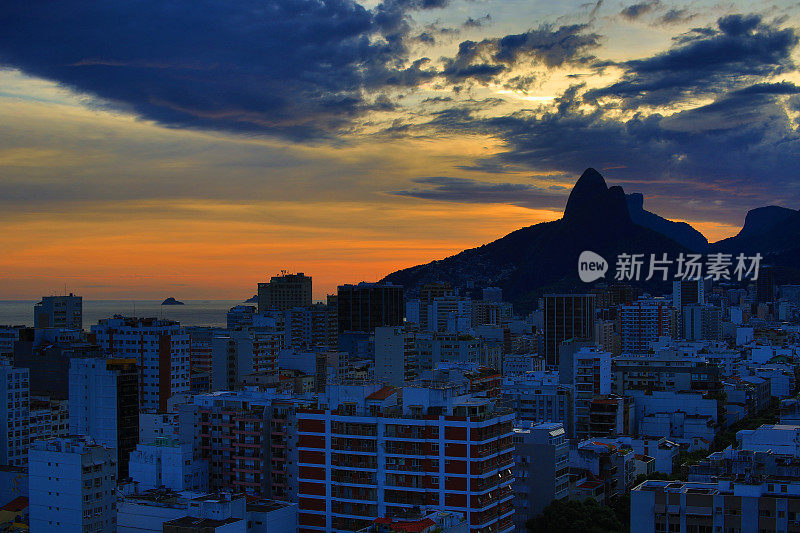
(307, 327)
(394, 356)
(59, 312)
(238, 354)
(591, 376)
(49, 418)
(247, 437)
(538, 397)
(687, 292)
(14, 416)
(161, 349)
(8, 336)
(366, 306)
(169, 463)
(765, 285)
(542, 473)
(200, 356)
(368, 453)
(643, 323)
(104, 404)
(566, 316)
(723, 505)
(72, 486)
(702, 322)
(285, 292)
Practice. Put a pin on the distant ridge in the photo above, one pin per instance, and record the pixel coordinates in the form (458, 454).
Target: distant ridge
(532, 260)
(543, 258)
(680, 232)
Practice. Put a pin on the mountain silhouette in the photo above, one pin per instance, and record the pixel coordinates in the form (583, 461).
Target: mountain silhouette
(544, 257)
(769, 229)
(680, 232)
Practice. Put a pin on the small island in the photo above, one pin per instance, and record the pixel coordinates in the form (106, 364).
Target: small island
(172, 301)
(252, 300)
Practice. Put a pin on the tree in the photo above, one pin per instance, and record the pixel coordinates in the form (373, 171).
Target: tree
(587, 516)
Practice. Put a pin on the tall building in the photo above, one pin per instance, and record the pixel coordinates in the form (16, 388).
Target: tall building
(72, 486)
(238, 354)
(542, 473)
(59, 312)
(566, 316)
(200, 356)
(247, 437)
(643, 323)
(366, 306)
(161, 349)
(687, 292)
(168, 463)
(104, 404)
(394, 356)
(8, 336)
(307, 327)
(538, 397)
(285, 292)
(702, 322)
(14, 416)
(49, 418)
(591, 376)
(765, 285)
(742, 506)
(368, 453)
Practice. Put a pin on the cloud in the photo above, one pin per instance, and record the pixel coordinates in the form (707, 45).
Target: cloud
(636, 11)
(712, 162)
(676, 16)
(547, 46)
(295, 68)
(739, 50)
(477, 22)
(464, 190)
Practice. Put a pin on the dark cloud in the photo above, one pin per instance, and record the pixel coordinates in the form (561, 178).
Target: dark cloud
(676, 16)
(741, 49)
(708, 163)
(437, 100)
(296, 68)
(478, 22)
(547, 46)
(449, 189)
(636, 11)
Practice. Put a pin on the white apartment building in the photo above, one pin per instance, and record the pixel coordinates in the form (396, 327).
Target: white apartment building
(72, 486)
(161, 348)
(14, 416)
(167, 463)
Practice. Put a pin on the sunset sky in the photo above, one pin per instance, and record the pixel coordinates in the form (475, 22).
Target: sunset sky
(155, 148)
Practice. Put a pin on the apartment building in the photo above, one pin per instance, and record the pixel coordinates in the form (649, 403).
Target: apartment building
(161, 349)
(247, 439)
(538, 397)
(59, 312)
(104, 404)
(642, 323)
(591, 376)
(370, 452)
(72, 486)
(541, 469)
(14, 416)
(238, 354)
(686, 507)
(284, 292)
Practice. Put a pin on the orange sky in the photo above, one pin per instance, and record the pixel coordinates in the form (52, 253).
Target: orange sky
(111, 206)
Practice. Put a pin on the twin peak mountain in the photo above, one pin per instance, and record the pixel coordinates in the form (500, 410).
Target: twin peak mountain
(543, 258)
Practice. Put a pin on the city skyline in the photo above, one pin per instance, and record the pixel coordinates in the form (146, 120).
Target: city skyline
(150, 158)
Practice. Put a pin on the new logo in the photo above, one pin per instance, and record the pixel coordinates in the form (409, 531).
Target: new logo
(591, 266)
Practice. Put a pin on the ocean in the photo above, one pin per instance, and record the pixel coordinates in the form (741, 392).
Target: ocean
(194, 313)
